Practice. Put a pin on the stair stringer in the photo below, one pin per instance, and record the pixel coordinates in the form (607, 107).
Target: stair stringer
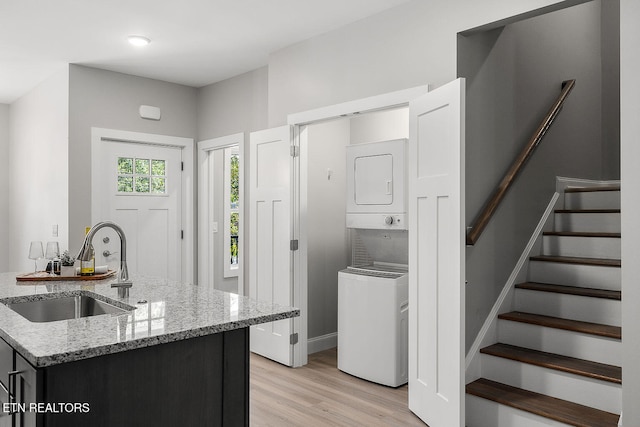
(506, 302)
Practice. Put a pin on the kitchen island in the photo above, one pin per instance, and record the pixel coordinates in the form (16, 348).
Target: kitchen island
(177, 355)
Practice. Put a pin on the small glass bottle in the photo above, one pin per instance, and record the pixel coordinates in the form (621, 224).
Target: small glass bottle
(88, 268)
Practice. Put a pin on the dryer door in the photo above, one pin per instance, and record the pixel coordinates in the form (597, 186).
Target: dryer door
(373, 180)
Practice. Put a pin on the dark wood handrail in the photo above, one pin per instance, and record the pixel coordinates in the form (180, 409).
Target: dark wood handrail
(492, 204)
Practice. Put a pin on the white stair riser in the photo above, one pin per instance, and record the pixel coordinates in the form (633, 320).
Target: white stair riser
(487, 413)
(598, 394)
(566, 343)
(592, 200)
(586, 276)
(594, 222)
(587, 247)
(576, 307)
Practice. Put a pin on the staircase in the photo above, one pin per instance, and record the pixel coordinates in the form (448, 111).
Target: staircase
(558, 356)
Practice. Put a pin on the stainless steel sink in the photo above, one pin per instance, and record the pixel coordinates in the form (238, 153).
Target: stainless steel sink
(69, 305)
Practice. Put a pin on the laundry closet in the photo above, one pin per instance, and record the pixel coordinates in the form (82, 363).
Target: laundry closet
(341, 236)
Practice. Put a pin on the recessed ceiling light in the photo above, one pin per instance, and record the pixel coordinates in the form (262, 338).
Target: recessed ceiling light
(138, 40)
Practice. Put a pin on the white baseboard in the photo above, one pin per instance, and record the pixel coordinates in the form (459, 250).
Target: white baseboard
(323, 342)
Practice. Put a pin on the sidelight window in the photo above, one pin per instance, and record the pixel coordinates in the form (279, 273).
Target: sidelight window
(231, 210)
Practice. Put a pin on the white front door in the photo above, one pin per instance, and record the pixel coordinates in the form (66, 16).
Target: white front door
(437, 256)
(270, 230)
(139, 188)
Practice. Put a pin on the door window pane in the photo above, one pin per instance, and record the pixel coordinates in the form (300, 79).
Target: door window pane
(142, 166)
(125, 165)
(142, 184)
(143, 176)
(157, 167)
(158, 185)
(125, 184)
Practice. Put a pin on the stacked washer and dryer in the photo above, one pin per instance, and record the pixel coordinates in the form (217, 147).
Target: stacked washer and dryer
(373, 292)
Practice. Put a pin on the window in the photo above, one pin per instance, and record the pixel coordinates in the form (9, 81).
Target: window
(231, 210)
(141, 176)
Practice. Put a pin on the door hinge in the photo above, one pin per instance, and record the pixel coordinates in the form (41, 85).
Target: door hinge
(293, 339)
(295, 151)
(182, 166)
(293, 245)
(181, 234)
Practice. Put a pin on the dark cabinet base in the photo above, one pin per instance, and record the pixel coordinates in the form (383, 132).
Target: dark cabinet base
(201, 381)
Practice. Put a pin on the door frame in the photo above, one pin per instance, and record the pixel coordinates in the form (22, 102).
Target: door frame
(299, 121)
(101, 135)
(205, 245)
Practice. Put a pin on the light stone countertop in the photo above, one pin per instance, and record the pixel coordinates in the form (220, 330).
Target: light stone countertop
(173, 311)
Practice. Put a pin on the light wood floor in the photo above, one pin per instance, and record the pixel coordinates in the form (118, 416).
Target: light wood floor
(318, 394)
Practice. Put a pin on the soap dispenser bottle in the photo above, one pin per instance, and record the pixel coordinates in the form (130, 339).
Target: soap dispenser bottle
(88, 268)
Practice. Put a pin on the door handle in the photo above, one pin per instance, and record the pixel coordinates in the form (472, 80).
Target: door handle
(11, 393)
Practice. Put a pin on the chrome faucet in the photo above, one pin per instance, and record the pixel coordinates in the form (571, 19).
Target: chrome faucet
(122, 283)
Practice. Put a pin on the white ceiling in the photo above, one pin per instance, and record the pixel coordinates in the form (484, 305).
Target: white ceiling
(194, 42)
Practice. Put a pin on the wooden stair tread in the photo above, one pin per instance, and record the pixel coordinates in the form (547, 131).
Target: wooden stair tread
(587, 211)
(604, 262)
(565, 324)
(592, 189)
(580, 234)
(550, 407)
(585, 368)
(571, 290)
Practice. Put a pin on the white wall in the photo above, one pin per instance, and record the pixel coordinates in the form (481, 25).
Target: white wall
(38, 166)
(380, 126)
(105, 99)
(4, 187)
(410, 45)
(630, 174)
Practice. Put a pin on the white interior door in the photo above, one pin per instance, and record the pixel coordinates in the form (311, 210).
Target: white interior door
(270, 230)
(140, 190)
(437, 256)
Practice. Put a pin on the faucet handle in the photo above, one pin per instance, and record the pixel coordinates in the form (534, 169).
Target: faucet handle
(121, 284)
(123, 288)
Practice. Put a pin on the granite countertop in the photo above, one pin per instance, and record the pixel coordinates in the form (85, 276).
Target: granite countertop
(165, 311)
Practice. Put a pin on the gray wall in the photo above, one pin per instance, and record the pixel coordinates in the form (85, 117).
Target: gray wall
(4, 187)
(235, 105)
(105, 99)
(514, 74)
(610, 28)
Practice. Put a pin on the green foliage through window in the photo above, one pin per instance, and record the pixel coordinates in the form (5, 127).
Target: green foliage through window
(235, 180)
(143, 176)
